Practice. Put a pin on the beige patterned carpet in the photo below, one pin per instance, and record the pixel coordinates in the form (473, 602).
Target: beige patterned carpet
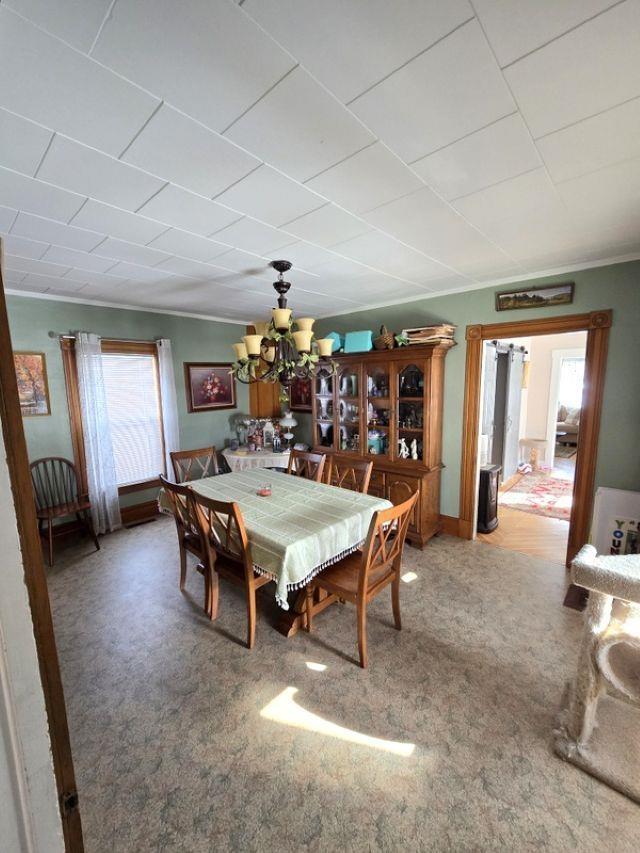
(185, 741)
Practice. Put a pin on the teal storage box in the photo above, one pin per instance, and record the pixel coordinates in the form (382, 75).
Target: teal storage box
(358, 341)
(338, 341)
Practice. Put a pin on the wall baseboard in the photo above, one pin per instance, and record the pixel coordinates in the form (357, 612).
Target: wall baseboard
(450, 525)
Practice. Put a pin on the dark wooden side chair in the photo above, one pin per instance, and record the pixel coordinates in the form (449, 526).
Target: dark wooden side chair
(349, 474)
(362, 575)
(307, 465)
(194, 464)
(186, 526)
(227, 553)
(56, 490)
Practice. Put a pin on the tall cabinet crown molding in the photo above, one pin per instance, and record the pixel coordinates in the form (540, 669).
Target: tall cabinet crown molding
(376, 399)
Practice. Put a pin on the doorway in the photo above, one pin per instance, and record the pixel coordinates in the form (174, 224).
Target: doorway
(596, 325)
(531, 404)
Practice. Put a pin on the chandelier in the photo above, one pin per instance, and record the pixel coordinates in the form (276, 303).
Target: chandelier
(275, 353)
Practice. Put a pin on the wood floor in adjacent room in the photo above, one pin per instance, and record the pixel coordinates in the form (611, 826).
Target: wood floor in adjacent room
(184, 740)
(531, 534)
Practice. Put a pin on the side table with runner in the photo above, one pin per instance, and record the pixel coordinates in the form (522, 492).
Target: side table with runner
(244, 460)
(302, 528)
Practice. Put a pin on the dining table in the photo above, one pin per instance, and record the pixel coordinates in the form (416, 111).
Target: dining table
(296, 531)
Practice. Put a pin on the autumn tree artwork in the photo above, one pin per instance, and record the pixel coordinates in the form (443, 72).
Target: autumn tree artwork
(33, 389)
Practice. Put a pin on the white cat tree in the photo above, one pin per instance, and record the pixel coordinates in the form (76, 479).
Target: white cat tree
(599, 725)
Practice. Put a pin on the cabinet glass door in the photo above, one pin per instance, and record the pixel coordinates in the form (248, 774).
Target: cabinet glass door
(323, 390)
(378, 410)
(410, 413)
(348, 397)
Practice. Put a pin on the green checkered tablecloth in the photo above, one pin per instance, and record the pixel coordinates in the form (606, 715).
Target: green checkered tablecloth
(302, 528)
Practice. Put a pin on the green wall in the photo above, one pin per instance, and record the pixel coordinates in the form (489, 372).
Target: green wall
(616, 287)
(31, 320)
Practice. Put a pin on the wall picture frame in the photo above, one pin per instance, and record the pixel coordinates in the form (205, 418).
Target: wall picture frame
(300, 395)
(33, 384)
(209, 386)
(545, 296)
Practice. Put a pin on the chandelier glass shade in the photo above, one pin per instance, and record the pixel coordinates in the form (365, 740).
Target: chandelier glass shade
(278, 353)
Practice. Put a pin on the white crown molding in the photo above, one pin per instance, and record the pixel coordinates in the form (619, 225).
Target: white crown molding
(29, 294)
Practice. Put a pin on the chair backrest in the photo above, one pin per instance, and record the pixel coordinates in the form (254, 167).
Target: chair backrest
(194, 464)
(307, 465)
(55, 482)
(181, 505)
(400, 491)
(349, 474)
(385, 540)
(222, 531)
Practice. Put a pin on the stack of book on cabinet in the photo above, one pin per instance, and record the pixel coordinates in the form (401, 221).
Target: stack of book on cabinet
(430, 334)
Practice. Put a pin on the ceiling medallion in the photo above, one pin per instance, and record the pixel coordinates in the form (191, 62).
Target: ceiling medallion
(275, 353)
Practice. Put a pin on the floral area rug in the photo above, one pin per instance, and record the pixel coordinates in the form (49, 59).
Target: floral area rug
(540, 494)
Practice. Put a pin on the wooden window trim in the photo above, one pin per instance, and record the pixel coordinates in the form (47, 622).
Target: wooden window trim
(70, 365)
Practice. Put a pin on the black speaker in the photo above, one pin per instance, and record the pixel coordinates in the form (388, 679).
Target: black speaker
(488, 498)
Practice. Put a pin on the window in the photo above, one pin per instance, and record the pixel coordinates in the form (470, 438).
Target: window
(571, 381)
(133, 403)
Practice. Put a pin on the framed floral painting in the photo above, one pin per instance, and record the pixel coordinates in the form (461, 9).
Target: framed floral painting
(300, 395)
(33, 388)
(209, 386)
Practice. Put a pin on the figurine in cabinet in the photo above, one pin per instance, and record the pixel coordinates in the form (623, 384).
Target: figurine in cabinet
(414, 449)
(403, 450)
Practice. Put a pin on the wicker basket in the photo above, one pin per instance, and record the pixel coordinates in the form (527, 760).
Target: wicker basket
(385, 339)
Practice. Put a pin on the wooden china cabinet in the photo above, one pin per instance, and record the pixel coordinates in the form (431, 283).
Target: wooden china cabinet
(376, 400)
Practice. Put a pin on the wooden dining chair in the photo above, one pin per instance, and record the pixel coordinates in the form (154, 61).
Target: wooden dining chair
(183, 509)
(227, 553)
(56, 491)
(362, 575)
(307, 465)
(194, 464)
(349, 474)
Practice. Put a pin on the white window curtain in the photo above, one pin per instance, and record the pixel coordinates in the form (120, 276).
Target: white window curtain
(101, 469)
(168, 400)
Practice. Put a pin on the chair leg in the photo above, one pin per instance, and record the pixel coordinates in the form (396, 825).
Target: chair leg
(211, 593)
(183, 566)
(362, 632)
(251, 616)
(309, 608)
(50, 538)
(88, 523)
(395, 601)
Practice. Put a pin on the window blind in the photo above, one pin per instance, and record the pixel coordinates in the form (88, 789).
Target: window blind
(133, 404)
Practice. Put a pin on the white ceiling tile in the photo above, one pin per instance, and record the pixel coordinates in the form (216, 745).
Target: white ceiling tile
(37, 283)
(81, 260)
(106, 219)
(25, 248)
(270, 196)
(14, 262)
(493, 154)
(351, 46)
(246, 263)
(608, 198)
(38, 197)
(49, 82)
(368, 179)
(206, 57)
(12, 278)
(183, 209)
(121, 250)
(516, 27)
(300, 128)
(253, 236)
(389, 256)
(327, 226)
(75, 21)
(86, 171)
(187, 245)
(22, 143)
(7, 218)
(190, 268)
(450, 90)
(36, 227)
(88, 277)
(599, 141)
(306, 256)
(520, 199)
(123, 269)
(182, 151)
(588, 70)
